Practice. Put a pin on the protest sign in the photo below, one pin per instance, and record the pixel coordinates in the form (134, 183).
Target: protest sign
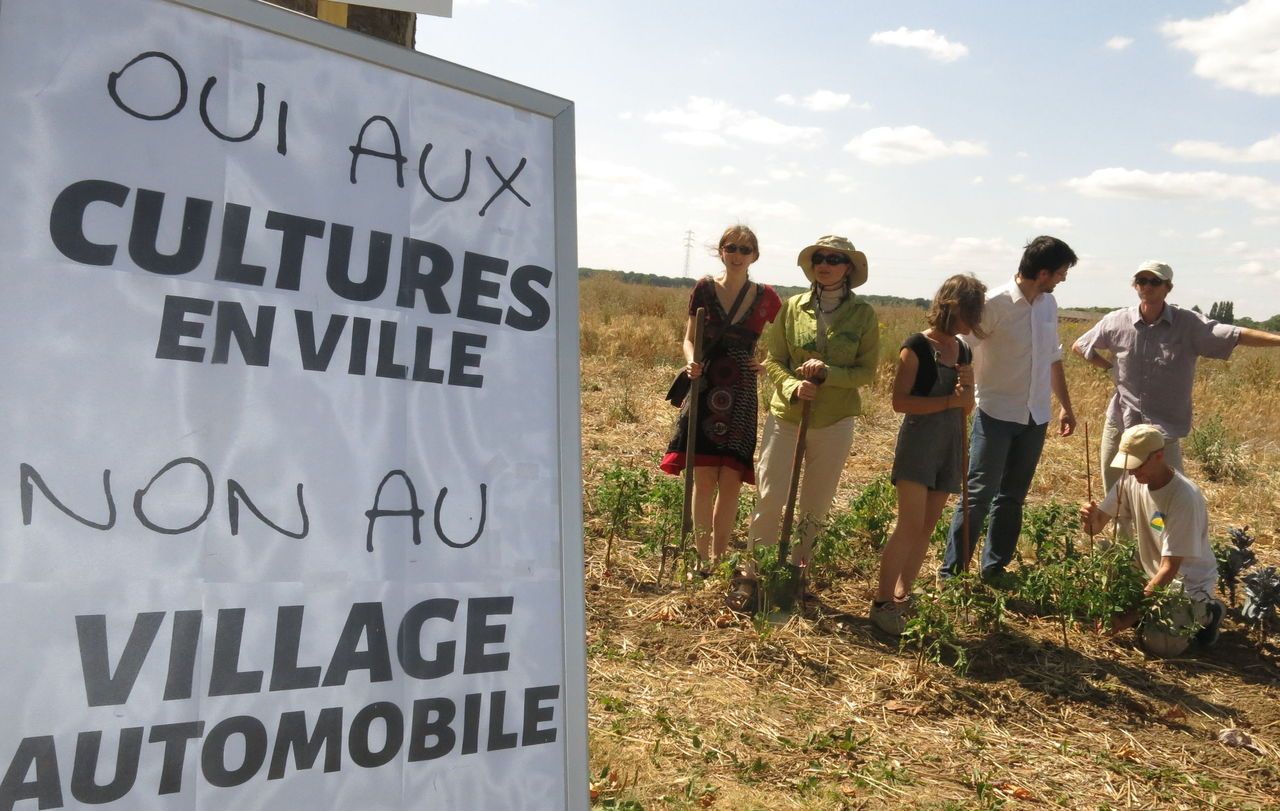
(291, 513)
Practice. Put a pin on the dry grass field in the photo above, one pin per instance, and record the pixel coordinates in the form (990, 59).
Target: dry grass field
(693, 707)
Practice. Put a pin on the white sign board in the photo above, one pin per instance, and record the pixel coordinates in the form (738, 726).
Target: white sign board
(290, 513)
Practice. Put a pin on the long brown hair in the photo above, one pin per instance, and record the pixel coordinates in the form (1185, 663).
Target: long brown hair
(961, 295)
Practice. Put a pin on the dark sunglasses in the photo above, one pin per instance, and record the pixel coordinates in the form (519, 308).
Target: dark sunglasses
(1148, 281)
(743, 249)
(829, 258)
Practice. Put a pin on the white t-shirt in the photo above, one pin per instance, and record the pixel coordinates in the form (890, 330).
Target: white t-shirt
(1171, 521)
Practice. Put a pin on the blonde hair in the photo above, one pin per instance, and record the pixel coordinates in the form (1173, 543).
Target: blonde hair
(961, 295)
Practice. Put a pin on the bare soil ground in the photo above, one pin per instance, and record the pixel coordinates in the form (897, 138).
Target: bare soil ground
(692, 706)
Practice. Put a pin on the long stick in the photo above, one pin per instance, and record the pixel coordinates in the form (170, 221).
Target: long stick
(789, 514)
(691, 434)
(964, 489)
(1088, 477)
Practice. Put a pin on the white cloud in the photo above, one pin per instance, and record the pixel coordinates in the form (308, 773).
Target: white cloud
(619, 179)
(1119, 43)
(1265, 221)
(935, 45)
(975, 254)
(1137, 183)
(1239, 48)
(735, 208)
(1017, 179)
(1267, 149)
(1023, 154)
(777, 175)
(1168, 233)
(626, 115)
(1252, 268)
(886, 145)
(822, 101)
(1236, 248)
(977, 180)
(710, 122)
(727, 171)
(865, 233)
(1046, 223)
(695, 138)
(1212, 233)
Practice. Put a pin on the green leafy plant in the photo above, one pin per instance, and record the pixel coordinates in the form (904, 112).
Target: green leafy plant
(1219, 454)
(1050, 528)
(664, 512)
(1093, 588)
(1168, 608)
(621, 498)
(776, 580)
(873, 511)
(935, 631)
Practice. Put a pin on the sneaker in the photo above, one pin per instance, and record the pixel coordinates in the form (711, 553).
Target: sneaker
(1208, 635)
(999, 579)
(891, 616)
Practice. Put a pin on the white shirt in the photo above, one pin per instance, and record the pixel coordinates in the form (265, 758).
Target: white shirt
(1011, 365)
(1173, 522)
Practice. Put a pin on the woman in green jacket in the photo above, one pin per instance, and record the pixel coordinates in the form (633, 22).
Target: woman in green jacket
(823, 346)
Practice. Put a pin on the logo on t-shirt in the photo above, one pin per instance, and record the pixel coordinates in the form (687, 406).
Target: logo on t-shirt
(1157, 521)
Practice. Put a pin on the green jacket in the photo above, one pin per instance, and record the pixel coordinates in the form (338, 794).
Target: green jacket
(853, 351)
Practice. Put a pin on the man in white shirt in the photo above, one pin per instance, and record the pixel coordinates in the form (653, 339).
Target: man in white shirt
(1171, 522)
(1017, 363)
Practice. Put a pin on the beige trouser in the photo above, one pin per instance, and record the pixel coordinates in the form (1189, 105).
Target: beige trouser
(825, 452)
(1111, 432)
(1184, 622)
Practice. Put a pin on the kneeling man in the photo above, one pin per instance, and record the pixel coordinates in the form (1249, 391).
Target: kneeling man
(1171, 522)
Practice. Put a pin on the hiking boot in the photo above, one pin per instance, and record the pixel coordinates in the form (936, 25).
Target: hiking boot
(1208, 635)
(891, 616)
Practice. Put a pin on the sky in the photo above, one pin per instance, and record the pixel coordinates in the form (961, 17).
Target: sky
(938, 136)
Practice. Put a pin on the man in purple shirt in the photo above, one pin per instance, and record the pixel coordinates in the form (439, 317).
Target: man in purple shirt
(1154, 348)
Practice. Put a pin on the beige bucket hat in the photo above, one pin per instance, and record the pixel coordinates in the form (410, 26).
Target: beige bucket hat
(858, 259)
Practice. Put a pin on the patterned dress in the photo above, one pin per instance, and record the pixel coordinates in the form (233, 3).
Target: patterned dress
(727, 403)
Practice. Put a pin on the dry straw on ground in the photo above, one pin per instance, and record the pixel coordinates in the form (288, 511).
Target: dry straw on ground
(692, 707)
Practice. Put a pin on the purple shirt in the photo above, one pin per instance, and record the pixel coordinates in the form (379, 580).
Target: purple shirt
(1156, 363)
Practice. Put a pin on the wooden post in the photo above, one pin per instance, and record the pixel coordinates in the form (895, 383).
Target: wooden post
(332, 12)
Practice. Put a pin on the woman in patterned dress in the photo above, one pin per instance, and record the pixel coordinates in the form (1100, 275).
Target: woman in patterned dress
(727, 403)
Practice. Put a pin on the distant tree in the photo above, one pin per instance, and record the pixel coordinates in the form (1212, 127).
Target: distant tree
(1196, 309)
(1272, 324)
(1228, 314)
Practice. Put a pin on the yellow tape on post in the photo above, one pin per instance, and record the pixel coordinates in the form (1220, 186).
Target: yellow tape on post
(332, 12)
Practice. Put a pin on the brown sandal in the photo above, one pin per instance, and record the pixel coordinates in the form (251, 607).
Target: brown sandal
(744, 595)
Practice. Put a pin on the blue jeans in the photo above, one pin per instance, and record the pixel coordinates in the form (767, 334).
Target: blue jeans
(1002, 460)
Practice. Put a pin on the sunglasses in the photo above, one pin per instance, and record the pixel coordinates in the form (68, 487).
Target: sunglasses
(829, 258)
(1148, 281)
(742, 249)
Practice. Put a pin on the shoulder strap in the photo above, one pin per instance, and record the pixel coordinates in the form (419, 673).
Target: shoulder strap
(737, 302)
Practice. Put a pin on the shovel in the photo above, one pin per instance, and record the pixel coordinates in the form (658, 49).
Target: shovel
(789, 514)
(691, 434)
